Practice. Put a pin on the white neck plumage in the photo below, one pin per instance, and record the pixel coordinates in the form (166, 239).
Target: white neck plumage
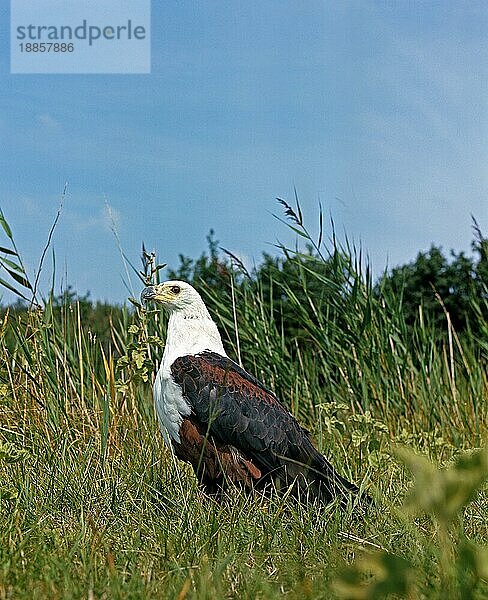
(191, 330)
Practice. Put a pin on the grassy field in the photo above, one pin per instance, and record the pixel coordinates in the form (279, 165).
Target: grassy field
(92, 505)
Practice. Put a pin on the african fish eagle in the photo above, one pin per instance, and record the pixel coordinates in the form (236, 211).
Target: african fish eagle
(222, 420)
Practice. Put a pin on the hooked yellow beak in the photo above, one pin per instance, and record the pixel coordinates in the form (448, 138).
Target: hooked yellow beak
(154, 293)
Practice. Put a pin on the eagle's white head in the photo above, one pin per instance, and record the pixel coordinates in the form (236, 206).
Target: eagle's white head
(177, 296)
(191, 329)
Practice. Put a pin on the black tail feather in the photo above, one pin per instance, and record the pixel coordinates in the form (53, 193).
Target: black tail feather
(331, 485)
(320, 481)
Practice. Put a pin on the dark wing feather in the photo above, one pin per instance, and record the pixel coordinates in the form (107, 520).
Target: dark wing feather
(239, 410)
(236, 407)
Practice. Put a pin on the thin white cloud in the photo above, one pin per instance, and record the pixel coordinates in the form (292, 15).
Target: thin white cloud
(48, 121)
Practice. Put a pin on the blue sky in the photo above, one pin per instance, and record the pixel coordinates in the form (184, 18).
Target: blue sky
(378, 109)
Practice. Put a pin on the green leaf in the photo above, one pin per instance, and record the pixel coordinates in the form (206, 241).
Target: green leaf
(357, 438)
(19, 279)
(12, 265)
(444, 492)
(473, 558)
(138, 358)
(373, 445)
(7, 251)
(298, 231)
(375, 577)
(12, 289)
(9, 493)
(123, 361)
(11, 453)
(481, 561)
(5, 226)
(135, 302)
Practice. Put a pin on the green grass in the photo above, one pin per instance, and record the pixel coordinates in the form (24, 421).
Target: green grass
(92, 505)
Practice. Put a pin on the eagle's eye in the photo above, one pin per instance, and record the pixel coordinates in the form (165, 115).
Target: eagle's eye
(175, 289)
